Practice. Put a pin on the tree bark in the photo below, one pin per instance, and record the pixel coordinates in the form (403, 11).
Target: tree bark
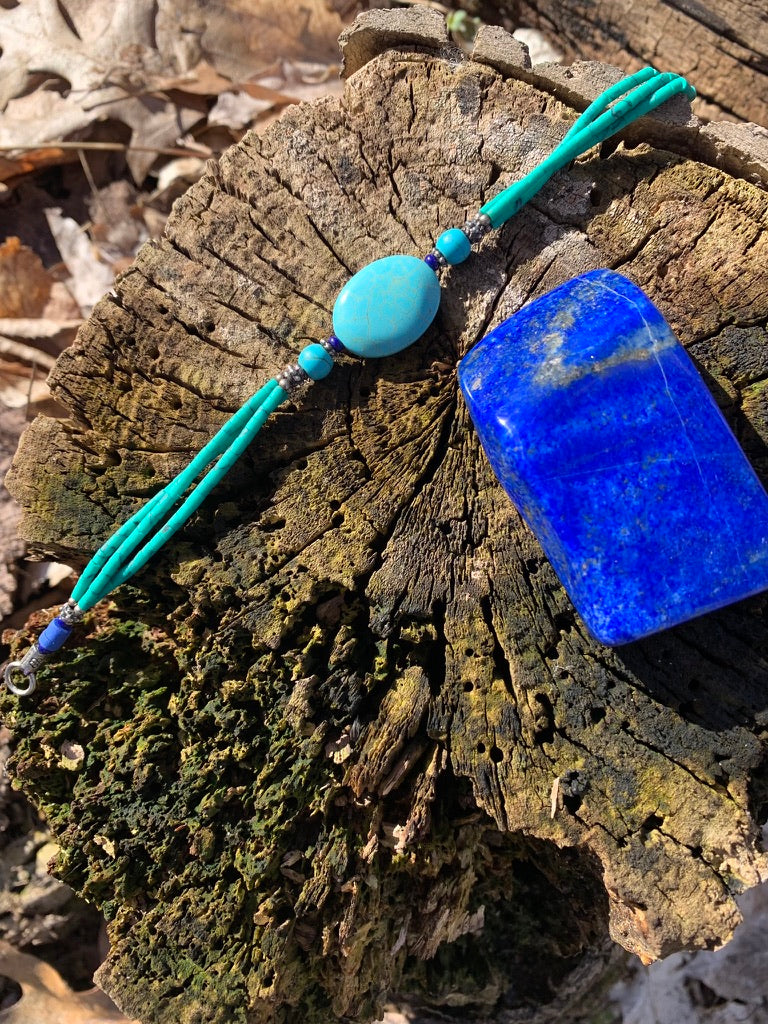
(346, 737)
(720, 45)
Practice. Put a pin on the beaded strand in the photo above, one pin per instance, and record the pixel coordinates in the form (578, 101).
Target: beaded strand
(398, 295)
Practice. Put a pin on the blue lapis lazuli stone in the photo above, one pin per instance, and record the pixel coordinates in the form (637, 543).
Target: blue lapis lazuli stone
(604, 435)
(386, 306)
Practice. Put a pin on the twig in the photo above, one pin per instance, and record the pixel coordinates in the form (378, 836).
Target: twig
(25, 353)
(91, 183)
(118, 147)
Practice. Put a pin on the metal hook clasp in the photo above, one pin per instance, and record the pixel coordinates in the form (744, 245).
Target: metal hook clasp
(27, 667)
(20, 691)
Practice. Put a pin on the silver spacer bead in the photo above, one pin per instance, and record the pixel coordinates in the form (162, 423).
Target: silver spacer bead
(292, 378)
(440, 258)
(71, 613)
(477, 227)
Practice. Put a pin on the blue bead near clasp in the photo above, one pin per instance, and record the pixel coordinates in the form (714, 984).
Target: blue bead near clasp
(386, 306)
(54, 636)
(454, 245)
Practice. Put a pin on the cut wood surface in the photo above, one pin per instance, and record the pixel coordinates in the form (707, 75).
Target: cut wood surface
(346, 739)
(720, 45)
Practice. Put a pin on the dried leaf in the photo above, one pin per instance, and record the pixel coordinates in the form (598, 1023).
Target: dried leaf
(117, 52)
(25, 353)
(201, 80)
(90, 276)
(103, 65)
(104, 42)
(25, 284)
(186, 169)
(116, 224)
(47, 999)
(242, 37)
(21, 390)
(64, 312)
(301, 80)
(540, 49)
(59, 333)
(239, 109)
(13, 171)
(157, 125)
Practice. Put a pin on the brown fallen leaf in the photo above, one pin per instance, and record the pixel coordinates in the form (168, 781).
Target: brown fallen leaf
(242, 37)
(47, 999)
(14, 171)
(94, 61)
(90, 274)
(25, 284)
(49, 333)
(201, 80)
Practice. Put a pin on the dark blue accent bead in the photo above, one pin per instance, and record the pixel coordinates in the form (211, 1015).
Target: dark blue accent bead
(54, 636)
(606, 438)
(336, 344)
(432, 262)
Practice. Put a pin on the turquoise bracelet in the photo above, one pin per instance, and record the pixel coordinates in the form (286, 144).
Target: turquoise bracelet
(383, 309)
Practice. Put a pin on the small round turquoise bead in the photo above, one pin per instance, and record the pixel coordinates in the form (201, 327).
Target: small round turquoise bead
(315, 361)
(454, 245)
(386, 306)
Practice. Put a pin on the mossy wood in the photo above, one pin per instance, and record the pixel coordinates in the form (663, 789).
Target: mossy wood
(346, 740)
(721, 45)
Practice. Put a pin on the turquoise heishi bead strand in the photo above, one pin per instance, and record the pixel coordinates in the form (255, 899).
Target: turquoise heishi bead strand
(386, 306)
(315, 361)
(454, 245)
(604, 435)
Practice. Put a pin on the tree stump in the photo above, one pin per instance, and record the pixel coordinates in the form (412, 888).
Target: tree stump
(722, 45)
(346, 740)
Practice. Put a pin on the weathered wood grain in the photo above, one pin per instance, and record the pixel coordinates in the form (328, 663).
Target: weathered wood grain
(348, 737)
(721, 45)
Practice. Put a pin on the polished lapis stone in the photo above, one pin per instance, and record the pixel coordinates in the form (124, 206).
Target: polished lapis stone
(604, 435)
(386, 306)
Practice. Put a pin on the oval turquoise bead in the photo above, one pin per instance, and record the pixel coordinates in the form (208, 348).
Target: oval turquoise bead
(386, 306)
(454, 245)
(315, 361)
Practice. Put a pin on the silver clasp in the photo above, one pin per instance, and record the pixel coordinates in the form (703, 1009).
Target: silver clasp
(20, 691)
(27, 667)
